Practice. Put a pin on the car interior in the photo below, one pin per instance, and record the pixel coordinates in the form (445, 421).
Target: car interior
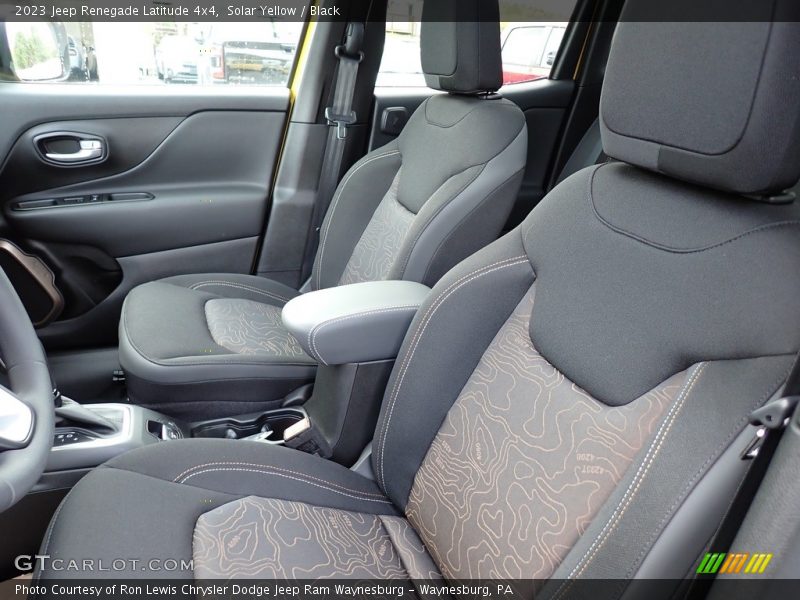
(265, 316)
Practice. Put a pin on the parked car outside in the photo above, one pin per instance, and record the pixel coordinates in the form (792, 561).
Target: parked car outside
(248, 53)
(177, 58)
(529, 50)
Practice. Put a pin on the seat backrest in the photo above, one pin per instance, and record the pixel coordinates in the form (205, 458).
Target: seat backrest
(444, 189)
(571, 401)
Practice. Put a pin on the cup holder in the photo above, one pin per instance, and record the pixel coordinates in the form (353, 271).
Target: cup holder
(263, 427)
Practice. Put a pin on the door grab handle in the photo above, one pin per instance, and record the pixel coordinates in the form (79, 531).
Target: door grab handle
(89, 150)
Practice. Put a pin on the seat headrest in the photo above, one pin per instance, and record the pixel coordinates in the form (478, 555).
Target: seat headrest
(460, 42)
(712, 103)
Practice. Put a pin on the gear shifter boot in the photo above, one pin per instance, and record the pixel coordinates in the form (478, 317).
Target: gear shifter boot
(76, 414)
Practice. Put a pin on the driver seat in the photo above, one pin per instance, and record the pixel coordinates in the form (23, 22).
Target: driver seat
(203, 346)
(567, 398)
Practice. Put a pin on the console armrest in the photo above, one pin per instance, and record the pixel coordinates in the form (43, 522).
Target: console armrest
(354, 323)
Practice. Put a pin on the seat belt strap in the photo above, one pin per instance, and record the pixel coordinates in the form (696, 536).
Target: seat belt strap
(771, 420)
(340, 116)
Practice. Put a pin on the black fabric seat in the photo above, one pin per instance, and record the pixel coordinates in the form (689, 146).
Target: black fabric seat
(572, 400)
(210, 345)
(311, 499)
(190, 341)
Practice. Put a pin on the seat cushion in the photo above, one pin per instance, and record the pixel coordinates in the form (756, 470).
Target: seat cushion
(265, 538)
(201, 346)
(233, 509)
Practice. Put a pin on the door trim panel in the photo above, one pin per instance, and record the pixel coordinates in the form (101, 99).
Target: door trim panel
(129, 142)
(209, 182)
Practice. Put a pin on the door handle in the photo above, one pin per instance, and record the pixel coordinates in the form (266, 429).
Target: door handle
(89, 150)
(70, 148)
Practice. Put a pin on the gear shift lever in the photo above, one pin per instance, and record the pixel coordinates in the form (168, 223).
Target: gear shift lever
(80, 415)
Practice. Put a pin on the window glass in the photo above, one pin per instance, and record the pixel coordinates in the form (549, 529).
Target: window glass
(531, 35)
(401, 65)
(247, 53)
(522, 51)
(529, 50)
(553, 45)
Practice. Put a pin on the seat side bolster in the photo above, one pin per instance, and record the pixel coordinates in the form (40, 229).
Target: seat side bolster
(233, 285)
(636, 520)
(437, 343)
(350, 211)
(253, 469)
(695, 521)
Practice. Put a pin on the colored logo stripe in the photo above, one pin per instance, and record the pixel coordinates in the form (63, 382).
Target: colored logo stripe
(711, 563)
(758, 563)
(732, 563)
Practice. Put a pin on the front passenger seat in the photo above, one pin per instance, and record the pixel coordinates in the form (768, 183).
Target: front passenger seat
(410, 210)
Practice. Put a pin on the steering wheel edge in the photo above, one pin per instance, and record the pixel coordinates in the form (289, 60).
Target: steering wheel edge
(30, 383)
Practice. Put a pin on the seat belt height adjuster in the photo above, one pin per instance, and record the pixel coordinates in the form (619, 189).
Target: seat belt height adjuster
(342, 122)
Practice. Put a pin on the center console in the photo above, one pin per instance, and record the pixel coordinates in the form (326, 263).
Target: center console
(354, 332)
(82, 442)
(98, 432)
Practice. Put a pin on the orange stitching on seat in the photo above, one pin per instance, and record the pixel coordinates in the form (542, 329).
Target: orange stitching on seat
(633, 487)
(268, 471)
(258, 466)
(240, 286)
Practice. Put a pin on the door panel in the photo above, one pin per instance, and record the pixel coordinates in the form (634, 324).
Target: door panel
(205, 183)
(183, 189)
(128, 142)
(27, 105)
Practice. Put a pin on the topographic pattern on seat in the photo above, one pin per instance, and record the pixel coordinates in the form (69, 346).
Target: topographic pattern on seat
(274, 539)
(523, 462)
(379, 245)
(247, 327)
